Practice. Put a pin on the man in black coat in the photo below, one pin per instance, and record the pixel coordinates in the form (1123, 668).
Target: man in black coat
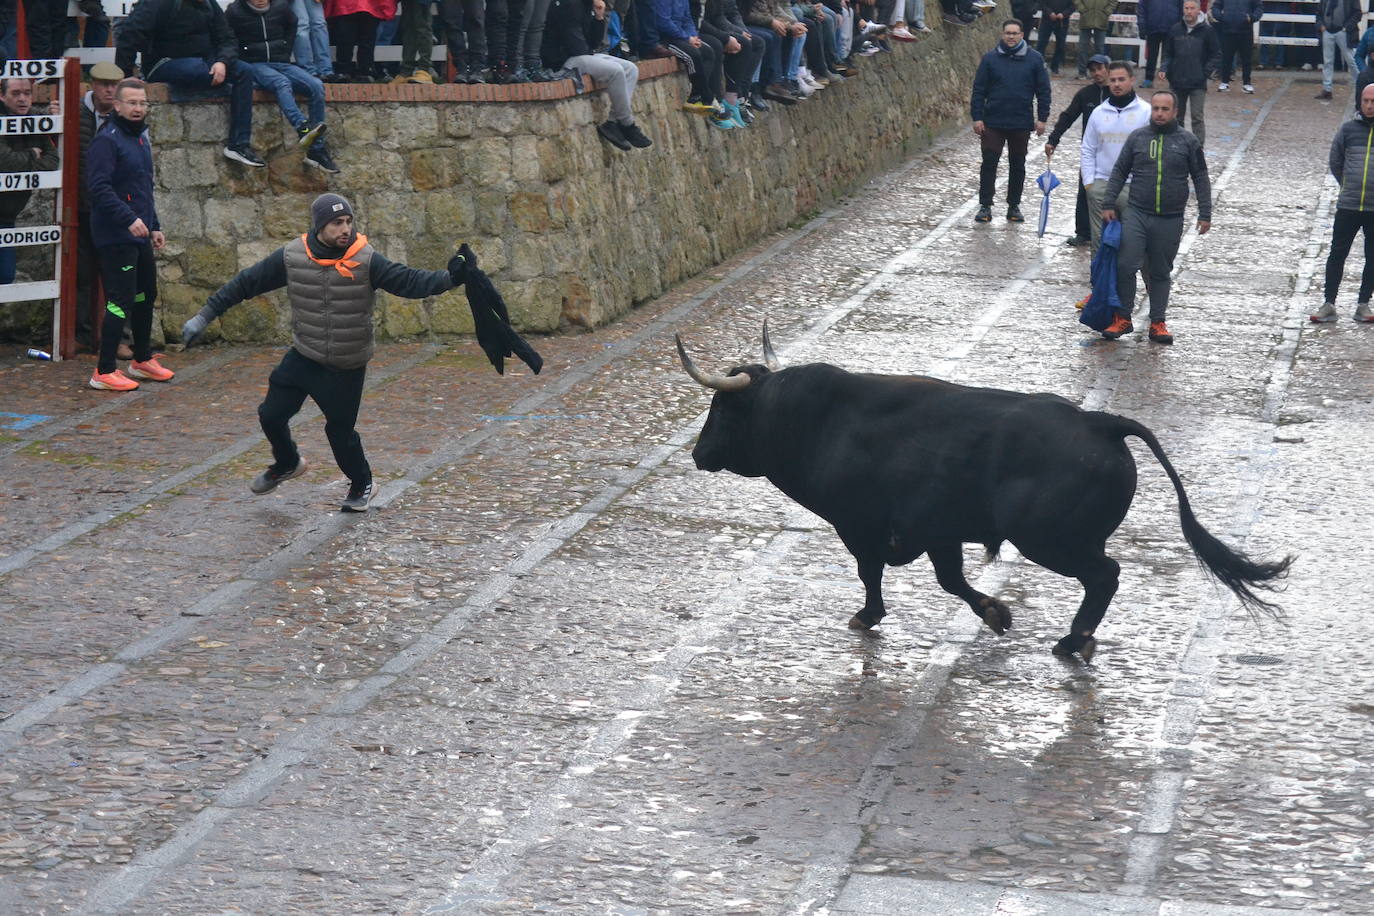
(1191, 51)
(1082, 105)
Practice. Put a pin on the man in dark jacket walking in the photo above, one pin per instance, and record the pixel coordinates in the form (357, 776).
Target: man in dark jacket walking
(187, 43)
(331, 275)
(1352, 150)
(264, 33)
(1235, 23)
(1338, 21)
(126, 231)
(1080, 107)
(1011, 96)
(1160, 158)
(1191, 51)
(1154, 19)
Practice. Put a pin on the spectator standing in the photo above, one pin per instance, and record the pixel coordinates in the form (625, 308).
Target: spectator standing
(353, 28)
(126, 232)
(1351, 151)
(331, 275)
(417, 43)
(264, 31)
(1162, 157)
(20, 153)
(312, 40)
(527, 42)
(1154, 19)
(1339, 24)
(46, 23)
(464, 23)
(1011, 97)
(1110, 124)
(96, 33)
(1093, 18)
(1080, 108)
(1054, 21)
(573, 30)
(96, 107)
(1235, 25)
(187, 43)
(1191, 51)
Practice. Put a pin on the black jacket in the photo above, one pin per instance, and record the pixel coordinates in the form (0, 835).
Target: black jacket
(1082, 105)
(570, 30)
(720, 19)
(1056, 6)
(16, 155)
(158, 29)
(1189, 55)
(262, 37)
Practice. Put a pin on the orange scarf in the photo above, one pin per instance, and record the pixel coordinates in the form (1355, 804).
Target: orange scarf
(341, 264)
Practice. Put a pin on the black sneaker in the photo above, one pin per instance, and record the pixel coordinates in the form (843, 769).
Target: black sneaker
(1077, 241)
(984, 215)
(612, 133)
(245, 155)
(267, 481)
(756, 101)
(1014, 214)
(319, 157)
(636, 136)
(308, 133)
(358, 498)
(778, 92)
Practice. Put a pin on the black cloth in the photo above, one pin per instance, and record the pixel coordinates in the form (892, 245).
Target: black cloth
(46, 23)
(1347, 223)
(262, 37)
(1017, 142)
(356, 30)
(1191, 54)
(570, 30)
(491, 320)
(1233, 45)
(159, 29)
(338, 392)
(1080, 107)
(130, 276)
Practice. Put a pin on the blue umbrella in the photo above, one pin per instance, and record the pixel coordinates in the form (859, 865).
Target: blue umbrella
(1047, 182)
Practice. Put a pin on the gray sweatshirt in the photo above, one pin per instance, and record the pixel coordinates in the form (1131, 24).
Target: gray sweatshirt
(1159, 161)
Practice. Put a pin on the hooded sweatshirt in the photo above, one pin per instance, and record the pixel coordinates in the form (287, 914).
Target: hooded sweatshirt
(1161, 159)
(1352, 164)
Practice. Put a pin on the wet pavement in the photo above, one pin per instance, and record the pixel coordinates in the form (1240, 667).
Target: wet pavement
(558, 669)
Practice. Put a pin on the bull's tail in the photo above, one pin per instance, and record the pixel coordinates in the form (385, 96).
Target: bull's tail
(1230, 567)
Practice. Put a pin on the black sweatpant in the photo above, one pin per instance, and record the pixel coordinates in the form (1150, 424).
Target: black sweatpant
(130, 276)
(338, 393)
(1017, 142)
(704, 68)
(464, 30)
(740, 66)
(1349, 222)
(356, 30)
(1236, 45)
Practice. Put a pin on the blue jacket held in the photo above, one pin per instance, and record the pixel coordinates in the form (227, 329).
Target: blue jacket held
(1011, 90)
(1104, 302)
(119, 179)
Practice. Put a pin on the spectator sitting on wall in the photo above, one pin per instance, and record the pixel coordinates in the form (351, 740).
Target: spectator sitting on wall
(573, 30)
(701, 55)
(777, 15)
(721, 20)
(20, 153)
(187, 43)
(264, 31)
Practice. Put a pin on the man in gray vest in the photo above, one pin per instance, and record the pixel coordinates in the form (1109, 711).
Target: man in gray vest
(331, 275)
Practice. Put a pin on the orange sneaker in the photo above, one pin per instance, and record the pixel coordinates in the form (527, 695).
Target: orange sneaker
(112, 381)
(152, 370)
(1159, 333)
(1120, 325)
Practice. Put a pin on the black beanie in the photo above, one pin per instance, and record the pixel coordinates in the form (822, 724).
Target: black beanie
(326, 209)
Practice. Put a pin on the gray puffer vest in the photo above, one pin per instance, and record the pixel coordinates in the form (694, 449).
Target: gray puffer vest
(331, 314)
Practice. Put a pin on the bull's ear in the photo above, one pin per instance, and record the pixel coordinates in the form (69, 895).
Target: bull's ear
(770, 358)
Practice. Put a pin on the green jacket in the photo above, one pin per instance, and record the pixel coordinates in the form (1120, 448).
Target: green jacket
(1092, 14)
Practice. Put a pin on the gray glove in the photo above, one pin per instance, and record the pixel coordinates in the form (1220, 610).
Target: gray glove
(193, 328)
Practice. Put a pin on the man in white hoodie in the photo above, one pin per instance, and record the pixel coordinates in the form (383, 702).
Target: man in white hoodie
(1108, 127)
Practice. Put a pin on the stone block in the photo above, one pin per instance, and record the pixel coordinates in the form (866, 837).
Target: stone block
(525, 165)
(459, 119)
(287, 171)
(410, 126)
(398, 317)
(527, 257)
(451, 213)
(432, 169)
(208, 264)
(530, 211)
(502, 120)
(488, 161)
(577, 309)
(285, 216)
(181, 223)
(253, 321)
(390, 213)
(205, 122)
(450, 314)
(372, 169)
(553, 158)
(232, 219)
(534, 305)
(493, 215)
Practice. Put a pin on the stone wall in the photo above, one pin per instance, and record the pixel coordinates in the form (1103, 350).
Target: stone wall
(573, 231)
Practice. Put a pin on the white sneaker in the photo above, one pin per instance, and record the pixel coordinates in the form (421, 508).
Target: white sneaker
(804, 76)
(1223, 87)
(922, 27)
(869, 49)
(804, 87)
(903, 34)
(1248, 88)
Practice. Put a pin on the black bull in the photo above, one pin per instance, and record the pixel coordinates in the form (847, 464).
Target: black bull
(907, 465)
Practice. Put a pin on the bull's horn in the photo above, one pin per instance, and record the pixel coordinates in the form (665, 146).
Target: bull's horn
(770, 358)
(718, 382)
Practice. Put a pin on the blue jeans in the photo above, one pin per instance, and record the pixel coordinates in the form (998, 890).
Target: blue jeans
(285, 80)
(194, 73)
(7, 258)
(312, 38)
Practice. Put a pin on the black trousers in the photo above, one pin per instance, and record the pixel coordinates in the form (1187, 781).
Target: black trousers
(46, 21)
(1233, 45)
(356, 30)
(704, 68)
(1059, 29)
(1017, 142)
(130, 276)
(1349, 222)
(464, 31)
(1154, 42)
(1082, 225)
(338, 392)
(740, 66)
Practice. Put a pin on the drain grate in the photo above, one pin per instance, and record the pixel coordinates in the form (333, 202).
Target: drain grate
(1259, 659)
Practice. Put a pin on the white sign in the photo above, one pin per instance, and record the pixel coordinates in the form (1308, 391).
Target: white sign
(30, 181)
(23, 125)
(32, 69)
(30, 235)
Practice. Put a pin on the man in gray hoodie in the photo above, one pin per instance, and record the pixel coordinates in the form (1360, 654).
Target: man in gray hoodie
(1161, 157)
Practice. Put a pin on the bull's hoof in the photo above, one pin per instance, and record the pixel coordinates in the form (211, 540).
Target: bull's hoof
(860, 622)
(996, 615)
(1085, 647)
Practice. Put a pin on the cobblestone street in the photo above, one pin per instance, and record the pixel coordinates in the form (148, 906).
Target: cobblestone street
(559, 669)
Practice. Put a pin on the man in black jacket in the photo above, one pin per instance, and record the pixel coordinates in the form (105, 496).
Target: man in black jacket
(187, 43)
(264, 32)
(1082, 105)
(573, 30)
(1191, 51)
